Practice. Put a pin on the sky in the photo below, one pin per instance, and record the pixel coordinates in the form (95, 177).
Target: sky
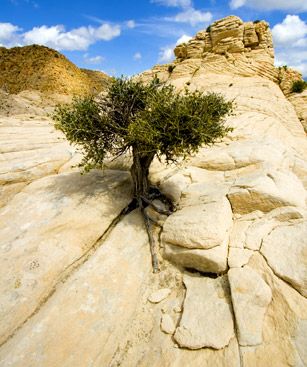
(125, 37)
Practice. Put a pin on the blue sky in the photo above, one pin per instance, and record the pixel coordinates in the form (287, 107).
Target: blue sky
(127, 37)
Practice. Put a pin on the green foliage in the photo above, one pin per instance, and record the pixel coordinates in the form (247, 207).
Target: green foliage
(298, 86)
(150, 117)
(208, 29)
(256, 21)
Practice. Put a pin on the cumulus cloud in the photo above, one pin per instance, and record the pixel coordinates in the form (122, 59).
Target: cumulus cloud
(166, 54)
(290, 41)
(137, 56)
(8, 33)
(191, 16)
(183, 39)
(294, 5)
(291, 32)
(57, 37)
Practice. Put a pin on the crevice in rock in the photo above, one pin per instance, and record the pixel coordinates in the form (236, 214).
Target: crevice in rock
(204, 274)
(74, 266)
(235, 326)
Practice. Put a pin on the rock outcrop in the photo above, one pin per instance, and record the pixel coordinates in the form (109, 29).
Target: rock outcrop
(243, 47)
(76, 287)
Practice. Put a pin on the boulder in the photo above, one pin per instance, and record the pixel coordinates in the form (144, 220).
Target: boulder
(200, 325)
(199, 226)
(265, 192)
(289, 239)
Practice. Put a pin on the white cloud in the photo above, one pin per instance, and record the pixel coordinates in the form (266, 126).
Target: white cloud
(191, 16)
(292, 30)
(8, 32)
(130, 24)
(137, 56)
(183, 39)
(290, 40)
(166, 54)
(57, 37)
(294, 5)
(174, 3)
(93, 59)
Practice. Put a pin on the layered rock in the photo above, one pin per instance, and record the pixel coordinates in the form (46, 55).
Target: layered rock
(247, 47)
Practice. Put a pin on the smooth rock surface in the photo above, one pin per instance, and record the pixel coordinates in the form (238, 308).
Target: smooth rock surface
(46, 229)
(159, 295)
(266, 192)
(201, 320)
(167, 324)
(213, 260)
(292, 241)
(199, 226)
(250, 298)
(83, 322)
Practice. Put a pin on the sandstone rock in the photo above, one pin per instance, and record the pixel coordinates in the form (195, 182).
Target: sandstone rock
(250, 297)
(250, 36)
(286, 78)
(200, 226)
(266, 192)
(159, 295)
(299, 102)
(260, 228)
(230, 27)
(201, 320)
(46, 229)
(167, 324)
(83, 322)
(195, 49)
(180, 51)
(291, 240)
(174, 186)
(238, 257)
(213, 260)
(241, 154)
(283, 323)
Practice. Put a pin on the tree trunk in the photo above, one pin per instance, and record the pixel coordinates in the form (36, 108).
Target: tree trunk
(139, 172)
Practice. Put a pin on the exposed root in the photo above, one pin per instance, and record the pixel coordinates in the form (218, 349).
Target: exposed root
(143, 202)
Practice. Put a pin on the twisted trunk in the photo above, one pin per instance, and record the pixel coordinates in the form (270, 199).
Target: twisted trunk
(141, 185)
(139, 172)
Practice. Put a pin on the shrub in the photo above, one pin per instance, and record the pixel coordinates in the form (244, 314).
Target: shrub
(298, 86)
(171, 68)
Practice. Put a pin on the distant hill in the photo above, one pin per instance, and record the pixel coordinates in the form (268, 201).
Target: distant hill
(43, 69)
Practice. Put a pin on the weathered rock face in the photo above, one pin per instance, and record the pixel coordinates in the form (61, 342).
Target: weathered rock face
(299, 102)
(76, 287)
(244, 46)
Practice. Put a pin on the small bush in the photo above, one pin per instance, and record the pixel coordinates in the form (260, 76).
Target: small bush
(298, 86)
(256, 21)
(171, 68)
(208, 28)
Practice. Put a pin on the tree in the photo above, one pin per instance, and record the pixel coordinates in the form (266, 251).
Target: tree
(149, 120)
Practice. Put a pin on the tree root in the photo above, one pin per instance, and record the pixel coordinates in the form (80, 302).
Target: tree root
(144, 202)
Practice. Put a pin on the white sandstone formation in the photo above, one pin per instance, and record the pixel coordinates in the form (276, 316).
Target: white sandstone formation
(75, 276)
